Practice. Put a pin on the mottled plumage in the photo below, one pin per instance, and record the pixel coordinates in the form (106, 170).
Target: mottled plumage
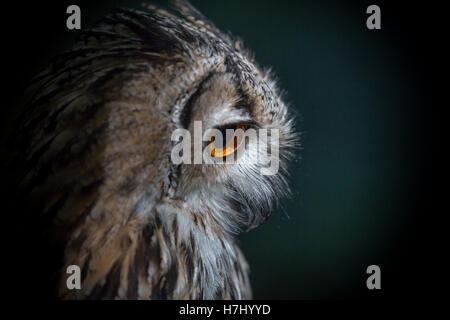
(94, 151)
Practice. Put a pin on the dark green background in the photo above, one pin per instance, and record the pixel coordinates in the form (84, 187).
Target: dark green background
(358, 96)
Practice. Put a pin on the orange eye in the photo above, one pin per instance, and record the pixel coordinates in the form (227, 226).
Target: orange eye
(225, 147)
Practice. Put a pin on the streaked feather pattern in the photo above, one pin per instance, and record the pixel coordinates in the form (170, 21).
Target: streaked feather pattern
(94, 147)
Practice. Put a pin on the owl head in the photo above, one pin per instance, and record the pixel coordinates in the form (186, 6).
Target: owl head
(129, 84)
(99, 139)
(240, 134)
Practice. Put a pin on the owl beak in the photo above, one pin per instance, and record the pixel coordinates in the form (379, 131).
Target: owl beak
(255, 220)
(255, 215)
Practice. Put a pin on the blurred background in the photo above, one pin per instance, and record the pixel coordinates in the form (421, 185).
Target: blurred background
(359, 95)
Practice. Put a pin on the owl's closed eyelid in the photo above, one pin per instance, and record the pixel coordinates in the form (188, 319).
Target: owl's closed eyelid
(244, 124)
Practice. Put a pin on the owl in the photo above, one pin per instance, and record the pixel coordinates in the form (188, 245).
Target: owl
(94, 165)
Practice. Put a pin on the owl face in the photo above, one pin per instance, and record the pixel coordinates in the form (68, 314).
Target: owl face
(242, 172)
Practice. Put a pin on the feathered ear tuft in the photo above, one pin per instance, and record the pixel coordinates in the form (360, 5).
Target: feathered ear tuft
(196, 17)
(189, 12)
